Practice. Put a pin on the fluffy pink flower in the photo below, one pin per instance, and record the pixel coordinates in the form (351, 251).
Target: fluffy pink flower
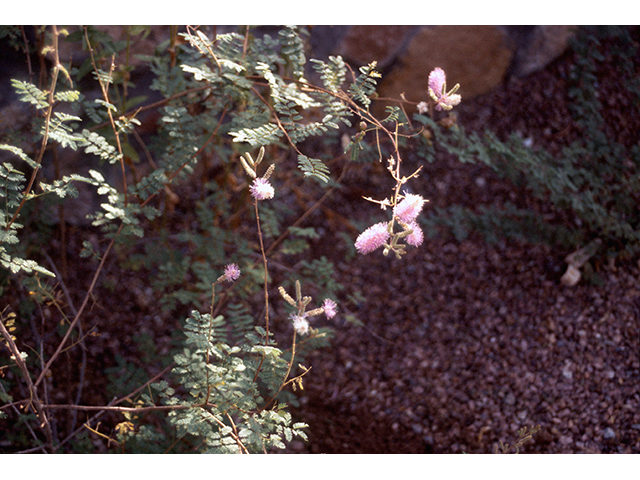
(438, 91)
(329, 308)
(300, 324)
(372, 238)
(231, 273)
(416, 237)
(409, 208)
(261, 189)
(437, 80)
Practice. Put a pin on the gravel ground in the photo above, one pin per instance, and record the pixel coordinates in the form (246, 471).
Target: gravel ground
(465, 343)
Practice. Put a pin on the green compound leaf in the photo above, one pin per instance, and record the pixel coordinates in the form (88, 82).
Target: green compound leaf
(313, 167)
(30, 93)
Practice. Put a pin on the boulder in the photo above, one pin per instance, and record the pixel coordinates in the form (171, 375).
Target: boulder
(544, 44)
(362, 44)
(478, 57)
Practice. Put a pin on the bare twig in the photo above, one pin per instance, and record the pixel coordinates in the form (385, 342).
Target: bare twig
(33, 391)
(85, 302)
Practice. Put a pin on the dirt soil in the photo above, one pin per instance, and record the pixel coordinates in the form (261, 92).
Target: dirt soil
(465, 343)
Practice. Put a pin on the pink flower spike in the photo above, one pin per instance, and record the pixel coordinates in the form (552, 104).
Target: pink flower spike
(300, 324)
(437, 81)
(231, 273)
(372, 238)
(409, 208)
(416, 237)
(329, 308)
(438, 91)
(261, 189)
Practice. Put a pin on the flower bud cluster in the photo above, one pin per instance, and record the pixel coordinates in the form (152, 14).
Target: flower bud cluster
(437, 87)
(438, 91)
(261, 188)
(299, 319)
(406, 213)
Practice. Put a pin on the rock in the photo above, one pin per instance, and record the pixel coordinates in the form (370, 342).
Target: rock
(510, 399)
(478, 57)
(571, 277)
(363, 44)
(609, 434)
(544, 44)
(565, 440)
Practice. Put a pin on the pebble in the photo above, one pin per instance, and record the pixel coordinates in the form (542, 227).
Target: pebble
(565, 440)
(510, 399)
(609, 433)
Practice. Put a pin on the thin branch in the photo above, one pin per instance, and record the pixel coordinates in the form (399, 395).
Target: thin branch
(115, 402)
(105, 93)
(14, 407)
(85, 302)
(102, 408)
(74, 311)
(266, 274)
(235, 435)
(33, 391)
